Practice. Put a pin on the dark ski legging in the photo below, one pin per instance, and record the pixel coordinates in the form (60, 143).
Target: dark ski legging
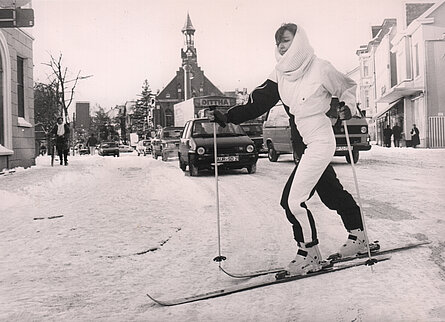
(333, 195)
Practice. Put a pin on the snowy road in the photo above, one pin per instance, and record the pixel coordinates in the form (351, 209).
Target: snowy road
(87, 241)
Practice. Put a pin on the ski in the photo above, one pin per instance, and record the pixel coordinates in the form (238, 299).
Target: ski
(267, 281)
(375, 250)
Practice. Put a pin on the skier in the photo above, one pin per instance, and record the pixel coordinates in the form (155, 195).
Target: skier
(62, 133)
(305, 84)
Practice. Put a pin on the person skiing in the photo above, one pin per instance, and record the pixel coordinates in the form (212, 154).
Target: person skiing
(305, 84)
(62, 133)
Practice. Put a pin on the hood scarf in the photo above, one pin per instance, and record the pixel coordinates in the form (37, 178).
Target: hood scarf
(60, 129)
(296, 60)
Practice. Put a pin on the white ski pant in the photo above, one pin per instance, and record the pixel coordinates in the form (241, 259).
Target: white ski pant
(319, 138)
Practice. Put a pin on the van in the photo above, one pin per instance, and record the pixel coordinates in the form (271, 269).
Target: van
(277, 133)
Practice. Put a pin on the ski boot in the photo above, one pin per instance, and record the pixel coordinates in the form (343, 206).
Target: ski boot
(354, 245)
(308, 259)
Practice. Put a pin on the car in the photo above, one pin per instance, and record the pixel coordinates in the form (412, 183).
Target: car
(125, 148)
(143, 147)
(109, 148)
(82, 149)
(235, 150)
(277, 134)
(166, 142)
(255, 132)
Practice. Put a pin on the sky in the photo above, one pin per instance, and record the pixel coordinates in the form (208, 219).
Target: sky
(123, 42)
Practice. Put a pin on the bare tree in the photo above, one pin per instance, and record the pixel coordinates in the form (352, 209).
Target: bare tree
(64, 90)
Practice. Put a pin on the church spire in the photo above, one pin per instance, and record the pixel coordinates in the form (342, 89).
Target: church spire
(188, 26)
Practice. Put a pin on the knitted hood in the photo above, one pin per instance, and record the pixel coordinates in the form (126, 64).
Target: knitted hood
(297, 59)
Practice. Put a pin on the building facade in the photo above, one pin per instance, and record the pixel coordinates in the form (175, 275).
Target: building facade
(17, 137)
(189, 82)
(408, 74)
(83, 118)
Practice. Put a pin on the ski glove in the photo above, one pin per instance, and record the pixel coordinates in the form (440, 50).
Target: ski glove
(344, 112)
(219, 118)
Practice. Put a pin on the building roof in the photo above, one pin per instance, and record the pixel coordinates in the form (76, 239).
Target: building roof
(415, 10)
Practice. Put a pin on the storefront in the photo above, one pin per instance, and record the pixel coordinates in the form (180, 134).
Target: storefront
(392, 115)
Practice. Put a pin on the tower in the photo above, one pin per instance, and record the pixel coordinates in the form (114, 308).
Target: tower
(188, 55)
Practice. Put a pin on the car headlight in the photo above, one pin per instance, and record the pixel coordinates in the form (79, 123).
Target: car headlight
(363, 129)
(250, 148)
(200, 150)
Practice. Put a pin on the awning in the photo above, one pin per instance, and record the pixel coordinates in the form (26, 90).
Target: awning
(386, 109)
(397, 93)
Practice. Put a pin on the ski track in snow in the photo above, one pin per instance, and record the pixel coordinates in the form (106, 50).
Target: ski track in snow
(122, 227)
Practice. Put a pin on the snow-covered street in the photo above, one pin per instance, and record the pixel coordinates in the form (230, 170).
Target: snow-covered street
(87, 241)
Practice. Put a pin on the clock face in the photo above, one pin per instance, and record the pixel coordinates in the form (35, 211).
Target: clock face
(189, 53)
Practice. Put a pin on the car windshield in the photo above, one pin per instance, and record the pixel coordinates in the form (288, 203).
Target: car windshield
(252, 129)
(172, 134)
(205, 129)
(109, 145)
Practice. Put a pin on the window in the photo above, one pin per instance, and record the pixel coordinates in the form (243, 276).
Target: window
(2, 120)
(20, 87)
(366, 99)
(416, 59)
(365, 69)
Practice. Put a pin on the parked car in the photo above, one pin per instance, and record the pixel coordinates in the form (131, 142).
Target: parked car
(109, 148)
(82, 149)
(277, 134)
(255, 132)
(143, 147)
(166, 142)
(125, 148)
(235, 149)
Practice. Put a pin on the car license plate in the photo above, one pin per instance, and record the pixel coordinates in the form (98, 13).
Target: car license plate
(341, 148)
(231, 158)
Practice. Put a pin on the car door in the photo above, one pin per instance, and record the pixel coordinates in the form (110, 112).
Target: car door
(184, 144)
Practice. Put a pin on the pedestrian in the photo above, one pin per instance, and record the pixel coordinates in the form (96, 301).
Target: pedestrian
(91, 143)
(415, 140)
(305, 84)
(61, 132)
(387, 133)
(397, 134)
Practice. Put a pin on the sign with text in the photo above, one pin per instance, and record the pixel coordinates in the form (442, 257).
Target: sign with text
(210, 101)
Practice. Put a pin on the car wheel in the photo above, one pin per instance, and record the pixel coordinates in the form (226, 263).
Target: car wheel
(139, 154)
(355, 156)
(271, 153)
(193, 170)
(164, 157)
(251, 168)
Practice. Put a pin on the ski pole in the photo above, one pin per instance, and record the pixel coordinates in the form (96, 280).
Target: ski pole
(218, 258)
(370, 261)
